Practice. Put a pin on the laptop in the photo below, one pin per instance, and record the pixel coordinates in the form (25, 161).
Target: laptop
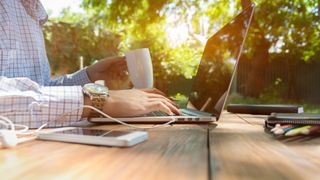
(211, 85)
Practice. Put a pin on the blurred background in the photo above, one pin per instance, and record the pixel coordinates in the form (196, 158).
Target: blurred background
(280, 63)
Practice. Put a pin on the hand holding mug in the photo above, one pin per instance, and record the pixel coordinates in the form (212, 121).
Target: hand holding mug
(112, 70)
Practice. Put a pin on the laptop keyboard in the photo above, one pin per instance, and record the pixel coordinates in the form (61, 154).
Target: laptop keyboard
(192, 112)
(185, 112)
(157, 113)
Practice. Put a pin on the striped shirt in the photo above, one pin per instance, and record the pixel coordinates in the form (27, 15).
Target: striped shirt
(27, 93)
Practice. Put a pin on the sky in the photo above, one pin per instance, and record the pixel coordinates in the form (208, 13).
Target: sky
(54, 7)
(177, 33)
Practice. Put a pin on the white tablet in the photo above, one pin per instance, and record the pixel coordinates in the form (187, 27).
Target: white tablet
(95, 136)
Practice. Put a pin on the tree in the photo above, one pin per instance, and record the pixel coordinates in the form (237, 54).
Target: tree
(282, 30)
(145, 23)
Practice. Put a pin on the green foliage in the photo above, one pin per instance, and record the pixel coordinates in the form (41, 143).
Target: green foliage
(145, 24)
(281, 28)
(135, 24)
(293, 25)
(180, 99)
(66, 43)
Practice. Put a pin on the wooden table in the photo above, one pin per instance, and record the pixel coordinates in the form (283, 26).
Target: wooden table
(238, 148)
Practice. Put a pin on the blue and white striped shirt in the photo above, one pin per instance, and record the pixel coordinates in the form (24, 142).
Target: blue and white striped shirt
(25, 83)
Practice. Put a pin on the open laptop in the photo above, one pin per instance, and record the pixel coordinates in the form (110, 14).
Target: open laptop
(213, 80)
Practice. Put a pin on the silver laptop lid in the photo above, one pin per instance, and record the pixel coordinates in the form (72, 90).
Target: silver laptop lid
(218, 65)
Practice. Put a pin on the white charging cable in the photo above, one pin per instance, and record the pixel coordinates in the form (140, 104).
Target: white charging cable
(8, 138)
(60, 118)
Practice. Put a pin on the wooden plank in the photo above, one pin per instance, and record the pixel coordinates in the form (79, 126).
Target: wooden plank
(240, 149)
(176, 152)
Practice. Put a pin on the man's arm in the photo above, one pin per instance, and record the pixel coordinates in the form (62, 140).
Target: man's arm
(27, 103)
(109, 69)
(78, 78)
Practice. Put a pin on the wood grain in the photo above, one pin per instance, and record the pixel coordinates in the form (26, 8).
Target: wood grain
(240, 149)
(177, 152)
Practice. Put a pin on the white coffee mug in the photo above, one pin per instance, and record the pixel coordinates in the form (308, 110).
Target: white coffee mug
(140, 68)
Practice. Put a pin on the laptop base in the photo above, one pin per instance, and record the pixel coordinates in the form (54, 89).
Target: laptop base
(157, 119)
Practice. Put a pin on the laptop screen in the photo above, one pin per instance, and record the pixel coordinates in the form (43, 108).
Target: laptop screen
(215, 72)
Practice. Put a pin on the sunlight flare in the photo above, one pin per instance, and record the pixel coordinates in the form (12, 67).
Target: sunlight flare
(177, 35)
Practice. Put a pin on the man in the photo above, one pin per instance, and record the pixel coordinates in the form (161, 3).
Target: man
(27, 94)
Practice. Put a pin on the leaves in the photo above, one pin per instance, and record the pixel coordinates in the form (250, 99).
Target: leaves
(112, 27)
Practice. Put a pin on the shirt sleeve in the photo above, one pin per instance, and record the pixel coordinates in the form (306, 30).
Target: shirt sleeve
(79, 78)
(25, 102)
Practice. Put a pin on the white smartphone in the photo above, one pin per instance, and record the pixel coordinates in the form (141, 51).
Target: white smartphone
(95, 136)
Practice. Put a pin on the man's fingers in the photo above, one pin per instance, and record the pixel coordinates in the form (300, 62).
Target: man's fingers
(117, 64)
(159, 106)
(118, 70)
(112, 61)
(153, 90)
(173, 109)
(150, 95)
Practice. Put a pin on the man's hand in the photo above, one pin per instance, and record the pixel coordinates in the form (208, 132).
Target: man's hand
(112, 70)
(135, 102)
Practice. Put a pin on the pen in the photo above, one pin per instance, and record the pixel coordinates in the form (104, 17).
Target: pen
(310, 130)
(285, 128)
(297, 131)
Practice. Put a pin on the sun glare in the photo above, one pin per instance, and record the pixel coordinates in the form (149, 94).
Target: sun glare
(54, 7)
(177, 35)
